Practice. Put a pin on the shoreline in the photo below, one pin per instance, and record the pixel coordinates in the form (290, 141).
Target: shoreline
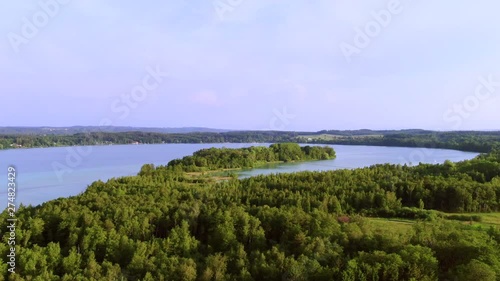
(255, 144)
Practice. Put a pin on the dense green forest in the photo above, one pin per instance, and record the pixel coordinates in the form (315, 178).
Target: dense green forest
(460, 140)
(160, 225)
(225, 158)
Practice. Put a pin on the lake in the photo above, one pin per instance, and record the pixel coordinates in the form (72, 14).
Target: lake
(48, 173)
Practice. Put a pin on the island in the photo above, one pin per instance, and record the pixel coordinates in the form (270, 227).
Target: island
(213, 159)
(216, 164)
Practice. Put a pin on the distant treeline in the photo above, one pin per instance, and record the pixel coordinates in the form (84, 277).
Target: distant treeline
(104, 138)
(473, 141)
(227, 158)
(459, 140)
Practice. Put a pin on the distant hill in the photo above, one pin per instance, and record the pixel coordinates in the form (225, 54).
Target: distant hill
(110, 129)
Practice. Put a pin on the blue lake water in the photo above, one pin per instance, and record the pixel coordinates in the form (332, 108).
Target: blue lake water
(48, 173)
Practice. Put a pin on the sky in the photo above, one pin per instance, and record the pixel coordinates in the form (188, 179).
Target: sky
(251, 64)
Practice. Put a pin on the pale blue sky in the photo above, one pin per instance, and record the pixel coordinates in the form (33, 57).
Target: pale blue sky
(260, 58)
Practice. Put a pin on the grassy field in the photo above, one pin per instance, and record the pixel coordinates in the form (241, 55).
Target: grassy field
(393, 226)
(487, 219)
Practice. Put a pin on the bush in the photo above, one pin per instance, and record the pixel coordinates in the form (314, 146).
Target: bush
(464, 218)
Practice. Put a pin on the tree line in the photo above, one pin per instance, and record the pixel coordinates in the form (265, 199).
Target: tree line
(459, 140)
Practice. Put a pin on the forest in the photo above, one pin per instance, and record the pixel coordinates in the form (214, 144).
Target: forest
(384, 222)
